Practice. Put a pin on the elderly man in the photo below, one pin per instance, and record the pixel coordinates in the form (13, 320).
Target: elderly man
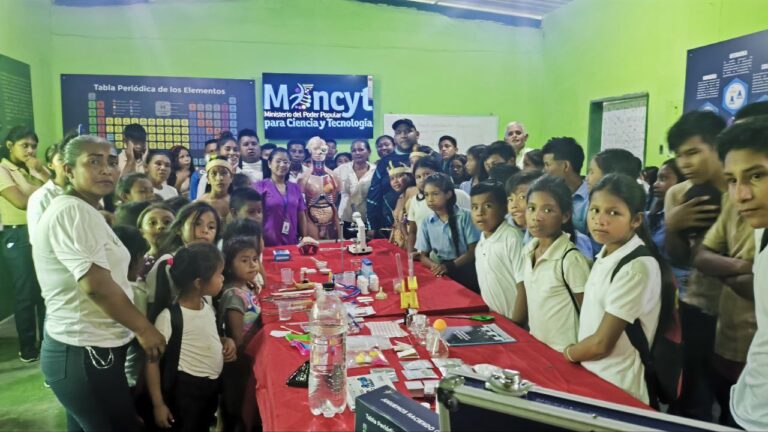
(516, 136)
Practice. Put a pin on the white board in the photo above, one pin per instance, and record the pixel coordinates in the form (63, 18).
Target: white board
(468, 130)
(624, 125)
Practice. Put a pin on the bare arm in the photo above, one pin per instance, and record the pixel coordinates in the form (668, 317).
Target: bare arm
(412, 231)
(235, 326)
(16, 197)
(520, 311)
(99, 286)
(713, 264)
(742, 285)
(468, 256)
(163, 416)
(600, 344)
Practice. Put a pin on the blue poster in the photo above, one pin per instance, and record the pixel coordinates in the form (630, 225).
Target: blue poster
(725, 76)
(174, 111)
(299, 106)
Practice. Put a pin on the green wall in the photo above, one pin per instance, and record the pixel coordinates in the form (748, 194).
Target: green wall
(421, 62)
(602, 48)
(25, 35)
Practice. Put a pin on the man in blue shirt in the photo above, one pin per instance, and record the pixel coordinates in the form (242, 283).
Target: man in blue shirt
(564, 157)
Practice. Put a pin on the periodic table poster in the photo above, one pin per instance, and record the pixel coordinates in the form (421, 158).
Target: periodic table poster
(174, 111)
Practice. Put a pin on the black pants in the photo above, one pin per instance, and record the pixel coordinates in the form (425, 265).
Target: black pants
(91, 386)
(19, 271)
(194, 402)
(466, 275)
(698, 330)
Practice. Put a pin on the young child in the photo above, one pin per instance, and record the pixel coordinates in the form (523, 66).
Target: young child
(184, 386)
(246, 203)
(240, 315)
(220, 179)
(417, 205)
(612, 161)
(475, 167)
(128, 213)
(498, 153)
(402, 181)
(517, 191)
(641, 292)
(135, 187)
(158, 171)
(246, 228)
(743, 151)
(196, 223)
(555, 273)
(153, 222)
(446, 238)
(499, 252)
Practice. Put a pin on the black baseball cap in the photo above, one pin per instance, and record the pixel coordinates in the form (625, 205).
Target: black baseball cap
(403, 121)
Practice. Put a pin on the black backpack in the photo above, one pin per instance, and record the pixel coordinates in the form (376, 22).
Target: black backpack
(169, 363)
(663, 361)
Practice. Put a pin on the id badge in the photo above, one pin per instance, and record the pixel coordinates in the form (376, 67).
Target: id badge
(286, 227)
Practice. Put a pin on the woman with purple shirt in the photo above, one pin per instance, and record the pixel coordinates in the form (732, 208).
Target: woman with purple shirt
(284, 205)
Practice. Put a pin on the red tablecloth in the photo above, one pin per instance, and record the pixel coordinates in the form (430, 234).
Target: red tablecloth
(285, 408)
(436, 295)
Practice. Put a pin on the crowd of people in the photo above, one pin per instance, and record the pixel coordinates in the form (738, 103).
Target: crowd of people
(136, 275)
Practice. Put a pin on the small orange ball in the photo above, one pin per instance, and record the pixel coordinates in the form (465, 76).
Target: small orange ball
(439, 324)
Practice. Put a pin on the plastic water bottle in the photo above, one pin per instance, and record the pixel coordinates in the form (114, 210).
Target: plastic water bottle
(328, 359)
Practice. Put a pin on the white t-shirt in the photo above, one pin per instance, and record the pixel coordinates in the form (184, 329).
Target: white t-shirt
(749, 397)
(167, 191)
(353, 190)
(71, 236)
(201, 351)
(253, 170)
(499, 265)
(634, 293)
(418, 210)
(552, 318)
(39, 201)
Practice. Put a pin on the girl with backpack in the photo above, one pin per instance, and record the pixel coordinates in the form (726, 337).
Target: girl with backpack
(629, 295)
(184, 386)
(555, 272)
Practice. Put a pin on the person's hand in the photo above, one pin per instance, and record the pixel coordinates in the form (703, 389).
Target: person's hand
(229, 349)
(439, 269)
(152, 341)
(34, 164)
(691, 214)
(129, 156)
(163, 417)
(743, 266)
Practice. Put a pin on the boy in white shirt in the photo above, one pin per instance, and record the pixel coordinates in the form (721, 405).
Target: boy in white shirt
(743, 148)
(499, 253)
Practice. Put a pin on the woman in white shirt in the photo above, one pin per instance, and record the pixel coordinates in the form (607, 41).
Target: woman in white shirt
(83, 270)
(615, 299)
(355, 179)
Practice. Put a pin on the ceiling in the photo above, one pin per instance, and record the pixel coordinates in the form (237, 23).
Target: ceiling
(514, 12)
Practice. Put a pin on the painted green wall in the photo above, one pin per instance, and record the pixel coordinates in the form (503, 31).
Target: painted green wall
(421, 62)
(25, 35)
(602, 48)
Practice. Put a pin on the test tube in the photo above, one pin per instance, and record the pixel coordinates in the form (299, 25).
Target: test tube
(399, 282)
(410, 265)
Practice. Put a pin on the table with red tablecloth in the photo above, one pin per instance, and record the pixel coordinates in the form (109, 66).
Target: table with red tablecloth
(285, 408)
(436, 295)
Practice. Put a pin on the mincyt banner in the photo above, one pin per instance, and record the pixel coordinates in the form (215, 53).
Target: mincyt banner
(299, 106)
(726, 76)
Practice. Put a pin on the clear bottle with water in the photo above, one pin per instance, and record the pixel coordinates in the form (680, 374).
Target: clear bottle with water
(328, 359)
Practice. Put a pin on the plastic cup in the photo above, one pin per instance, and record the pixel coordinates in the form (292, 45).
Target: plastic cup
(284, 312)
(286, 276)
(436, 346)
(349, 278)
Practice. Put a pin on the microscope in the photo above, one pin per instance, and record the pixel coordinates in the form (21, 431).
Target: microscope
(359, 247)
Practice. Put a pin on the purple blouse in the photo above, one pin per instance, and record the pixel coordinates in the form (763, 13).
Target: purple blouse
(279, 208)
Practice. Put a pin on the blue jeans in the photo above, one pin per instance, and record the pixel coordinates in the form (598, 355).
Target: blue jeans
(90, 383)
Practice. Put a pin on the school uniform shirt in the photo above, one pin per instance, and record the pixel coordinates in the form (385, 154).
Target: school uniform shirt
(634, 293)
(294, 177)
(166, 192)
(253, 170)
(12, 175)
(552, 317)
(201, 351)
(749, 397)
(732, 236)
(520, 156)
(418, 210)
(580, 207)
(434, 236)
(71, 237)
(701, 291)
(354, 191)
(499, 265)
(583, 242)
(39, 201)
